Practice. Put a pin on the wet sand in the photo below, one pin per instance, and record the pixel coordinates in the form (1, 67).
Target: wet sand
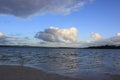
(27, 73)
(115, 77)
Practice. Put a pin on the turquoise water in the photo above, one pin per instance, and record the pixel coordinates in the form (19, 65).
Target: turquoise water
(83, 63)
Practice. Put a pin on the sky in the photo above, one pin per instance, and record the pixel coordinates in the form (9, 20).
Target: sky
(74, 23)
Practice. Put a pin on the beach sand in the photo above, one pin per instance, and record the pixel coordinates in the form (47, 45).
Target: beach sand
(27, 73)
(115, 77)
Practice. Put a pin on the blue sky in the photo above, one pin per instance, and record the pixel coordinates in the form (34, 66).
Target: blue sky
(95, 16)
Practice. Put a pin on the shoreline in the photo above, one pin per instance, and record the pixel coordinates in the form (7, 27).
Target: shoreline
(28, 73)
(10, 72)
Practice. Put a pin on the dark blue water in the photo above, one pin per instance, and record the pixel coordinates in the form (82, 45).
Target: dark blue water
(93, 63)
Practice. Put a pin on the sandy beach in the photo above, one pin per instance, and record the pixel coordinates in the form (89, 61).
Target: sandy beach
(27, 73)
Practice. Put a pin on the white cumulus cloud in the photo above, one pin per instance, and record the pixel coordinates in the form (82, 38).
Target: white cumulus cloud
(1, 35)
(96, 36)
(53, 34)
(118, 34)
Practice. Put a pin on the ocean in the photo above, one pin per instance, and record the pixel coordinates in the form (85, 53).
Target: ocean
(83, 63)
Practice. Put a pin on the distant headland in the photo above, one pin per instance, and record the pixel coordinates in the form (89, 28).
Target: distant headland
(91, 47)
(104, 47)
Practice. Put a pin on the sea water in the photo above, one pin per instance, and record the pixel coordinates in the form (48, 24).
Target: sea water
(83, 63)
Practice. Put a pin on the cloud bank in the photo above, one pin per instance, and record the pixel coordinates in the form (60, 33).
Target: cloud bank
(11, 40)
(58, 37)
(4, 39)
(53, 34)
(25, 8)
(114, 40)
